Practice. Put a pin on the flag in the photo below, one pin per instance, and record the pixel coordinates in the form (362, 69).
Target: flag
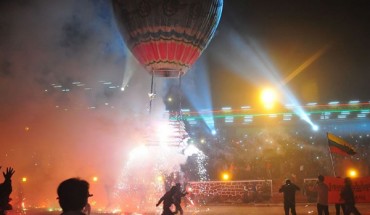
(339, 146)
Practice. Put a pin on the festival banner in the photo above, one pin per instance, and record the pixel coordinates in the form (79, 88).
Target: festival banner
(360, 186)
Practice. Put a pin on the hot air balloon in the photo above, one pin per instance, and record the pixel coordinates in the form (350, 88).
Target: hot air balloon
(167, 36)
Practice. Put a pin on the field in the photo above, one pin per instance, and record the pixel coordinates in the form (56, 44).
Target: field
(258, 209)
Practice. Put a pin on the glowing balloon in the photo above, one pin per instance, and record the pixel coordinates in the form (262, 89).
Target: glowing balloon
(167, 36)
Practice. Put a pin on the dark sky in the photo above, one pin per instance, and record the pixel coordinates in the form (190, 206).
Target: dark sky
(290, 32)
(287, 32)
(62, 63)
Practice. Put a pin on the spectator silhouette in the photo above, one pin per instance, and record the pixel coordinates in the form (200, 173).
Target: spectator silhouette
(177, 198)
(322, 196)
(168, 200)
(348, 196)
(6, 190)
(289, 190)
(339, 205)
(73, 194)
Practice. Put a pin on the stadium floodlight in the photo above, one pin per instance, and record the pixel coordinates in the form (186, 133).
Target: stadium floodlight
(213, 132)
(287, 116)
(245, 107)
(340, 116)
(225, 176)
(185, 110)
(354, 102)
(353, 173)
(312, 104)
(333, 103)
(315, 127)
(361, 115)
(248, 118)
(229, 119)
(268, 98)
(226, 108)
(289, 106)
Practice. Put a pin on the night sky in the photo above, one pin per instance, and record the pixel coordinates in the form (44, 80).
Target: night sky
(62, 63)
(290, 32)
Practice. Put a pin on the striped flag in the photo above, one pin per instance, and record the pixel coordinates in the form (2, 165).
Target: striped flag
(339, 146)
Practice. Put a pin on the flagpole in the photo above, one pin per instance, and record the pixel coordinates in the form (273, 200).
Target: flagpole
(331, 156)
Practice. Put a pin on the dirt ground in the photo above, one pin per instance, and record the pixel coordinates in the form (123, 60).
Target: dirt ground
(276, 209)
(263, 209)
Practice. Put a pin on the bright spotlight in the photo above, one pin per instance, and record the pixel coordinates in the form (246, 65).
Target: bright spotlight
(24, 179)
(268, 98)
(213, 132)
(95, 179)
(225, 176)
(315, 127)
(352, 173)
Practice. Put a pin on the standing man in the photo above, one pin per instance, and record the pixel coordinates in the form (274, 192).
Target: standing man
(348, 196)
(289, 190)
(322, 196)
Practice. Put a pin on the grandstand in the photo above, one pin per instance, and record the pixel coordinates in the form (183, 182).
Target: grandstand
(253, 144)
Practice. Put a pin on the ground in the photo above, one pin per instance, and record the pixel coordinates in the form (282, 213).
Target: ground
(276, 209)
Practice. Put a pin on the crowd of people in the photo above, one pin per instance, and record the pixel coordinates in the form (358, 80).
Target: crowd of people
(73, 194)
(286, 151)
(346, 202)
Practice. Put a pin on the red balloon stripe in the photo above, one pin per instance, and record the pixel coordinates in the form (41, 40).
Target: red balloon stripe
(156, 54)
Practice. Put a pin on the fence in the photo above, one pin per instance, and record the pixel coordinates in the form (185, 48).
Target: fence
(230, 191)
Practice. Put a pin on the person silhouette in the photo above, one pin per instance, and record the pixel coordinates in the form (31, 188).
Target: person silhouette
(289, 190)
(348, 196)
(6, 190)
(168, 201)
(339, 205)
(177, 198)
(72, 195)
(322, 196)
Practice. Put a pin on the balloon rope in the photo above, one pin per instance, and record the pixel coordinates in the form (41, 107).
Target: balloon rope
(180, 98)
(151, 94)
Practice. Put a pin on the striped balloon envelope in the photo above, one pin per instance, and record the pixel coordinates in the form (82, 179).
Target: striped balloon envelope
(167, 36)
